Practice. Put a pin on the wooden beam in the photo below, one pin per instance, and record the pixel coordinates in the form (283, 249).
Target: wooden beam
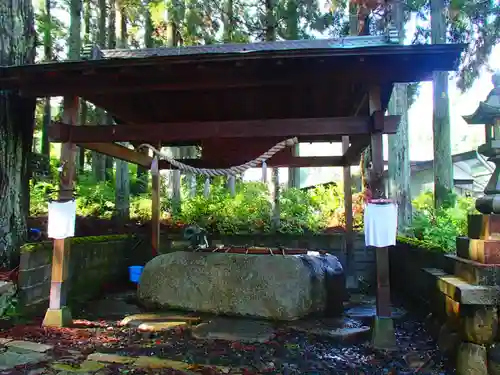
(383, 335)
(288, 161)
(196, 131)
(353, 153)
(119, 152)
(350, 266)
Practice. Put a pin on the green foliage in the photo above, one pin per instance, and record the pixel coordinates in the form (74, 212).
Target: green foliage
(249, 211)
(441, 226)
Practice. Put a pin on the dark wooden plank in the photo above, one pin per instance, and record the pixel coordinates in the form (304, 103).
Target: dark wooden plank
(119, 152)
(58, 314)
(195, 131)
(287, 161)
(353, 153)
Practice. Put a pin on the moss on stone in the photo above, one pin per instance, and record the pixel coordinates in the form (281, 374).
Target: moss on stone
(426, 245)
(37, 246)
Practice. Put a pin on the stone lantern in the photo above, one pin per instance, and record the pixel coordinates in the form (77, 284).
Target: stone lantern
(488, 113)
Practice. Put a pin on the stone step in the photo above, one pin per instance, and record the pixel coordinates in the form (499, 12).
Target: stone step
(483, 227)
(463, 292)
(482, 251)
(474, 272)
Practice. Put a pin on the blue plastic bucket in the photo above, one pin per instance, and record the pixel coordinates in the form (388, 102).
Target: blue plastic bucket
(134, 273)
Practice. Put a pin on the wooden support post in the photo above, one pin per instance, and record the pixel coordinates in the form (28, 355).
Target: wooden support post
(58, 314)
(192, 184)
(352, 281)
(383, 331)
(231, 184)
(155, 207)
(176, 190)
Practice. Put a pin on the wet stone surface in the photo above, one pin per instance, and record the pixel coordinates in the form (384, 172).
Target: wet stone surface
(91, 347)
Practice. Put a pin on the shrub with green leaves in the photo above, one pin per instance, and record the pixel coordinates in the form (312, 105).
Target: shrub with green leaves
(440, 226)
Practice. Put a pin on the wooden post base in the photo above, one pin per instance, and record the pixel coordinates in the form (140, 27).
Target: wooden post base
(58, 317)
(383, 335)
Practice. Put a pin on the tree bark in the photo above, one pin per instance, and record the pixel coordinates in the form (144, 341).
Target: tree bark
(228, 18)
(47, 112)
(141, 180)
(98, 159)
(292, 33)
(122, 177)
(75, 46)
(17, 47)
(399, 168)
(111, 45)
(443, 166)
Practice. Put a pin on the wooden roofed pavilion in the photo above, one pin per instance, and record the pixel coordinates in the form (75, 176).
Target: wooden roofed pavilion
(236, 101)
(221, 95)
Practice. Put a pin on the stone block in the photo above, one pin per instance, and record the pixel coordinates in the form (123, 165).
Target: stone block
(484, 227)
(476, 273)
(464, 292)
(11, 359)
(28, 346)
(244, 285)
(482, 251)
(161, 326)
(110, 358)
(158, 363)
(471, 359)
(230, 329)
(480, 324)
(137, 319)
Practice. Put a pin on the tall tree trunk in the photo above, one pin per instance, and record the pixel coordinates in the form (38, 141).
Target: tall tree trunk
(75, 41)
(399, 155)
(228, 18)
(292, 33)
(443, 166)
(17, 33)
(122, 190)
(47, 46)
(111, 45)
(270, 36)
(98, 159)
(83, 103)
(141, 185)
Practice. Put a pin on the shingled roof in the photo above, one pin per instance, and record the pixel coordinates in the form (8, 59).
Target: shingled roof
(239, 48)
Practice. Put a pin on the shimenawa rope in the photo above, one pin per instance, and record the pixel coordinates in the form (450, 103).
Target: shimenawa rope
(224, 172)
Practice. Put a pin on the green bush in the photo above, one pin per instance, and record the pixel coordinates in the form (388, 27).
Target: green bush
(249, 211)
(441, 226)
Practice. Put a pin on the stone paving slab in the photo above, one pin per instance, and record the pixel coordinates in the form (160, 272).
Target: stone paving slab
(158, 363)
(242, 330)
(4, 341)
(28, 346)
(85, 367)
(110, 358)
(161, 326)
(10, 359)
(137, 319)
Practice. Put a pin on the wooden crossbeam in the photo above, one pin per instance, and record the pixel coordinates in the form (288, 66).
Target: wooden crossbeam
(119, 152)
(353, 153)
(196, 131)
(135, 157)
(284, 161)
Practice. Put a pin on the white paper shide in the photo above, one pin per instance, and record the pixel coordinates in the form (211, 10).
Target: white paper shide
(381, 224)
(62, 217)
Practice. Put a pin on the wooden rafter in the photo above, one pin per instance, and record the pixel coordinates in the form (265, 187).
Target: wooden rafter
(119, 152)
(196, 131)
(280, 160)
